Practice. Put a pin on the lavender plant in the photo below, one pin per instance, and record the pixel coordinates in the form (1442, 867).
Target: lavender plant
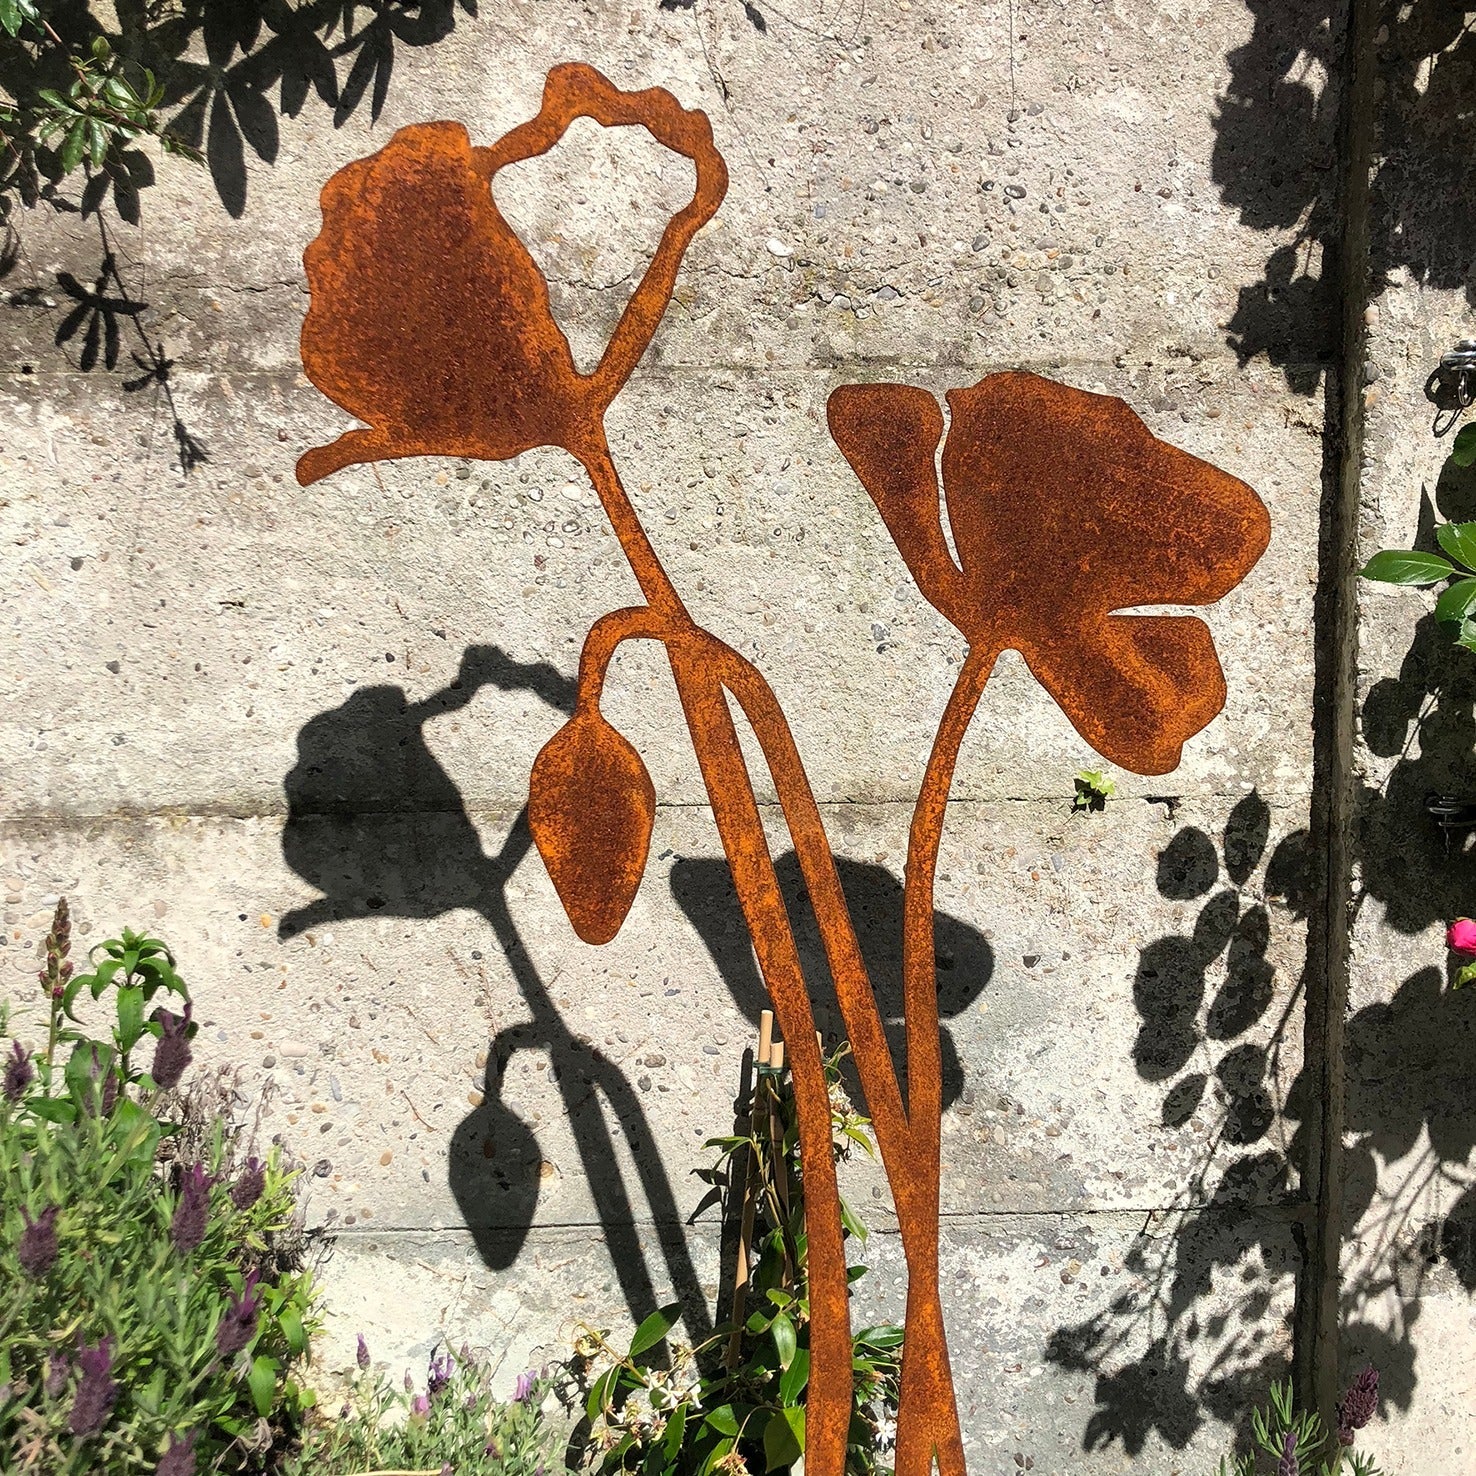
(456, 1426)
(1293, 1443)
(156, 1308)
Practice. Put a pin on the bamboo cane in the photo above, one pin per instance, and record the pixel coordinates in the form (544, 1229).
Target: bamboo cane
(750, 1201)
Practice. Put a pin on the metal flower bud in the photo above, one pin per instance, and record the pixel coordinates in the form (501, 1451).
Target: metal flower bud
(591, 805)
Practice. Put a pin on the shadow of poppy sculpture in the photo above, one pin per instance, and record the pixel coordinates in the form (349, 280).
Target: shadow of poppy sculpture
(431, 323)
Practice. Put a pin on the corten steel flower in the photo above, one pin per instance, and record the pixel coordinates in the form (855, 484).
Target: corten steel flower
(431, 321)
(1064, 508)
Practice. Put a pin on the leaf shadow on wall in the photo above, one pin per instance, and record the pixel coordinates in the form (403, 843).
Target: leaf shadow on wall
(1411, 1092)
(1409, 1087)
(1276, 160)
(228, 72)
(1177, 1348)
(380, 828)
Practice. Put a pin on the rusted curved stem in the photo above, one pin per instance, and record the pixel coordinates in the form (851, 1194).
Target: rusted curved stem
(927, 1419)
(635, 622)
(735, 809)
(848, 971)
(740, 826)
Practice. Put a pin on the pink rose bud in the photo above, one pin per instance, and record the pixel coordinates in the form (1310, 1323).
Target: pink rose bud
(1460, 937)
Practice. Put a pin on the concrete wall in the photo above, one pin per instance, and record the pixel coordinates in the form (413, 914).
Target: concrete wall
(1133, 197)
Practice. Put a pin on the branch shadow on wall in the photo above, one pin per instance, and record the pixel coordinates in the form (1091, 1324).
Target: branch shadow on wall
(1213, 1028)
(1174, 1350)
(1276, 160)
(1411, 1093)
(228, 71)
(378, 826)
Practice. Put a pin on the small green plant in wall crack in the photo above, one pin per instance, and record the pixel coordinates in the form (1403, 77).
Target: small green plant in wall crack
(1093, 789)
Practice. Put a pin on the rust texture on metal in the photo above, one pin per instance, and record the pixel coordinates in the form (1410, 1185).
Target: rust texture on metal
(1064, 508)
(431, 323)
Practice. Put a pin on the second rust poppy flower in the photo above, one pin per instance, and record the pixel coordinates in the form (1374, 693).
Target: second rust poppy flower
(1064, 510)
(429, 319)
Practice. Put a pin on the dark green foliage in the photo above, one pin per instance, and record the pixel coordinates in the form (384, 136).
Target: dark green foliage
(1457, 601)
(736, 1402)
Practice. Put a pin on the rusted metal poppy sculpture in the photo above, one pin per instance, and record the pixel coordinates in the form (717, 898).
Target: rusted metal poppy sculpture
(431, 323)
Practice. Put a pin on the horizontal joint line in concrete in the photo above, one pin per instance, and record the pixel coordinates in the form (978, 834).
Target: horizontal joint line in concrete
(1291, 1212)
(62, 820)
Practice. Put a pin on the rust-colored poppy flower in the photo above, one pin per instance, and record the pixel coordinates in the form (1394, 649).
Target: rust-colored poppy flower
(1064, 509)
(429, 319)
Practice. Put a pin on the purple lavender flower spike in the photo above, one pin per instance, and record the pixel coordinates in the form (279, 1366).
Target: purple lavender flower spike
(172, 1054)
(524, 1386)
(362, 1354)
(248, 1187)
(1359, 1405)
(19, 1073)
(179, 1459)
(238, 1326)
(37, 1249)
(187, 1229)
(58, 1366)
(439, 1373)
(96, 1391)
(420, 1406)
(1288, 1465)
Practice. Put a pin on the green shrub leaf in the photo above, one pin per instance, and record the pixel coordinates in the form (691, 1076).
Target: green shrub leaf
(1463, 453)
(784, 1438)
(654, 1328)
(262, 1381)
(722, 1419)
(1459, 541)
(796, 1376)
(785, 1338)
(1456, 602)
(1407, 566)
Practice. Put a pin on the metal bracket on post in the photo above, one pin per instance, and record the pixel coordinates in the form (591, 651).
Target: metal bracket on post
(1451, 387)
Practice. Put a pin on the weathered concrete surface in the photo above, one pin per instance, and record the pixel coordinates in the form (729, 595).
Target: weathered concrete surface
(1409, 1263)
(188, 656)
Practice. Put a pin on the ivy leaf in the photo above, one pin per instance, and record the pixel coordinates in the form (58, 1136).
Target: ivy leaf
(784, 1438)
(654, 1328)
(1463, 453)
(1407, 566)
(1459, 540)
